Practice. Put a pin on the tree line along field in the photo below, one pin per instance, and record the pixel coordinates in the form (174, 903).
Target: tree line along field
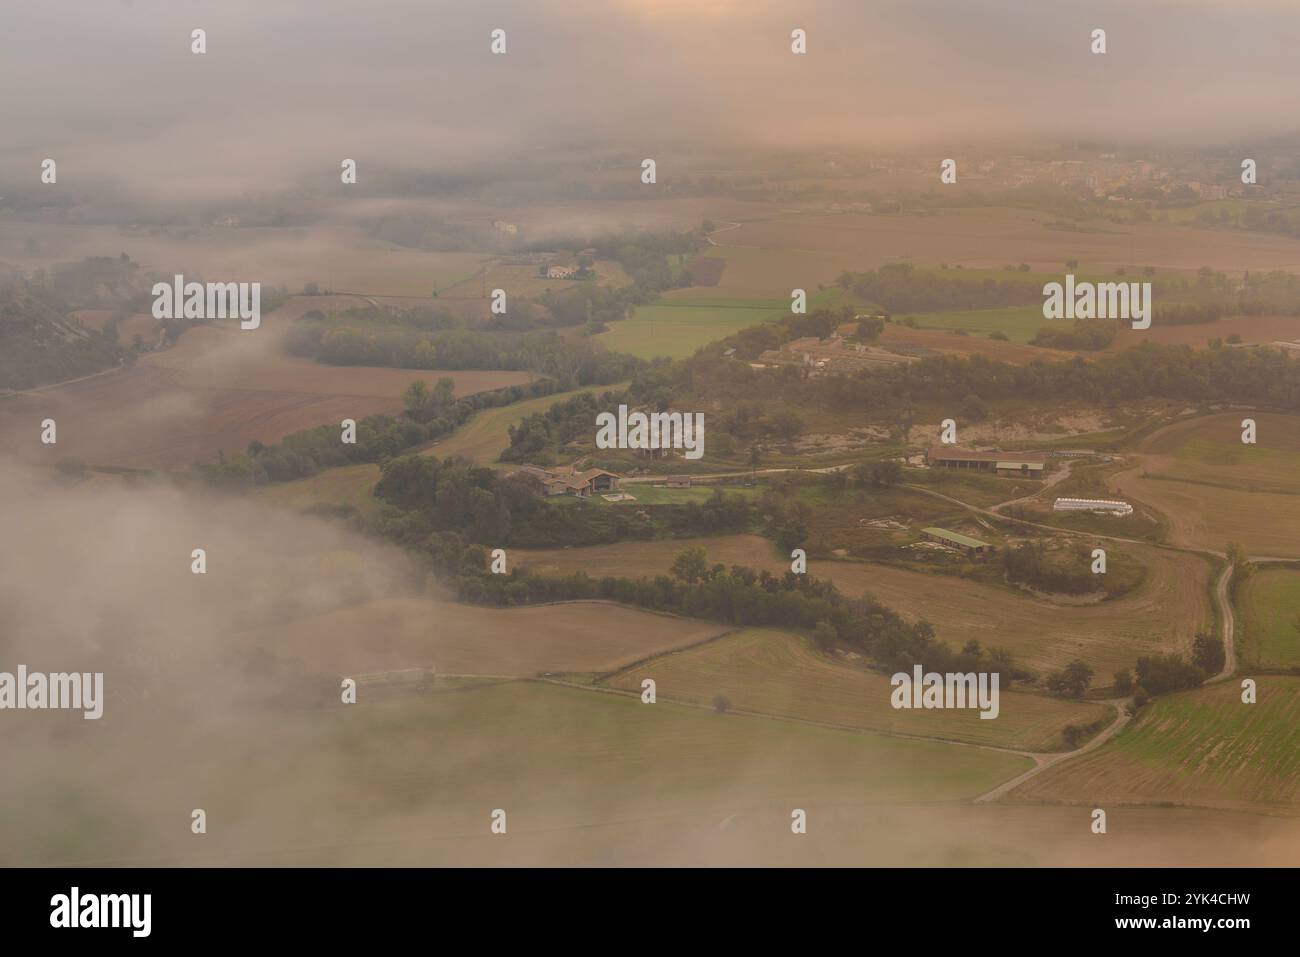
(773, 673)
(337, 257)
(1269, 602)
(216, 390)
(1041, 635)
(481, 440)
(1253, 330)
(1213, 489)
(1202, 747)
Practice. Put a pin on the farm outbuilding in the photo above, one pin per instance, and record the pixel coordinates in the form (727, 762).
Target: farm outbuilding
(1028, 464)
(1101, 505)
(957, 540)
(566, 480)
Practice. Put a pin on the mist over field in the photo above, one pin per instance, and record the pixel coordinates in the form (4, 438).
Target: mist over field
(287, 90)
(645, 657)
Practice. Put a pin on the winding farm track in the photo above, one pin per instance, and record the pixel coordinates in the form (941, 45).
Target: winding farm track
(1044, 760)
(1122, 717)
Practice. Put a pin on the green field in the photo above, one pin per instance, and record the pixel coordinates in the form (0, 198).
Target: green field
(345, 485)
(686, 319)
(677, 330)
(1017, 323)
(481, 440)
(1197, 747)
(1270, 605)
(773, 673)
(415, 780)
(484, 437)
(647, 494)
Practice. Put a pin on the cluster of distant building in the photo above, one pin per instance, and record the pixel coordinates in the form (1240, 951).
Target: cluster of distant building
(834, 354)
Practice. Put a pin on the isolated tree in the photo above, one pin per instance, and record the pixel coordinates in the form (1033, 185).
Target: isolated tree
(870, 328)
(792, 533)
(417, 401)
(824, 635)
(1161, 674)
(1072, 680)
(973, 408)
(787, 425)
(1208, 654)
(423, 403)
(1123, 682)
(721, 703)
(690, 564)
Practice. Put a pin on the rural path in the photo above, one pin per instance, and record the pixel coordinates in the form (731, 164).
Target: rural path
(5, 394)
(1042, 759)
(722, 229)
(1122, 717)
(1227, 625)
(1227, 621)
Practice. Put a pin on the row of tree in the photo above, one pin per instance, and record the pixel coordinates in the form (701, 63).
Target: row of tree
(430, 413)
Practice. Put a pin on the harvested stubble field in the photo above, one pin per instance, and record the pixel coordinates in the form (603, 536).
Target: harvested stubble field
(216, 390)
(1214, 490)
(454, 638)
(778, 674)
(1162, 615)
(1202, 747)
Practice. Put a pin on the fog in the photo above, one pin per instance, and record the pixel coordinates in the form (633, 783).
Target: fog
(95, 576)
(95, 573)
(286, 90)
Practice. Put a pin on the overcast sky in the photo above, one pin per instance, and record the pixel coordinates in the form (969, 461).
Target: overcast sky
(111, 90)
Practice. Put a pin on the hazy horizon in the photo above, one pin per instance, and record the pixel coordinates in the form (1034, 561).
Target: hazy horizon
(113, 93)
